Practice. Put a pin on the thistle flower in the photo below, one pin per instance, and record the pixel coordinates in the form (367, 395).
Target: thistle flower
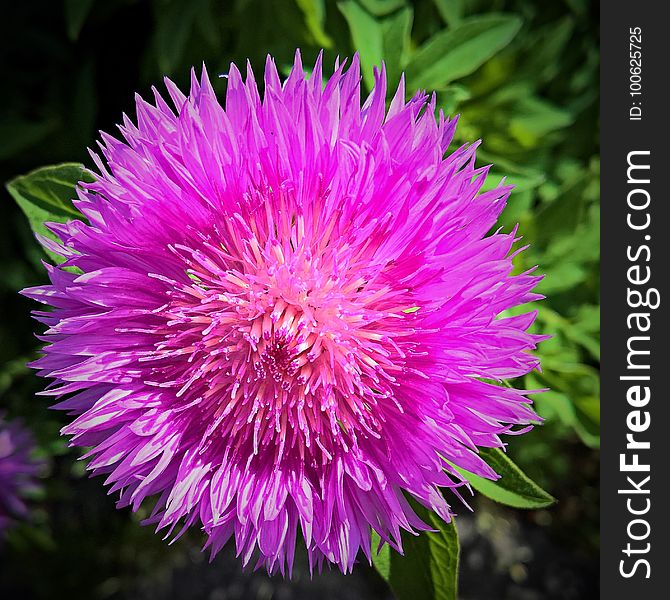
(17, 471)
(283, 313)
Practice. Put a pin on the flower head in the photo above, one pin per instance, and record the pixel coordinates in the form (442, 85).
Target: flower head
(283, 313)
(17, 471)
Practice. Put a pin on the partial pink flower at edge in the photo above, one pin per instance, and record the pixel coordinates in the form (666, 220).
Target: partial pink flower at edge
(18, 471)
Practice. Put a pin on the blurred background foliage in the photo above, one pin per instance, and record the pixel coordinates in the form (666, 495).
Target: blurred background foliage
(522, 74)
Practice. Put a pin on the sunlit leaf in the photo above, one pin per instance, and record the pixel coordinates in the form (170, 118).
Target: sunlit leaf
(514, 488)
(315, 15)
(396, 31)
(382, 7)
(367, 37)
(46, 194)
(457, 52)
(536, 118)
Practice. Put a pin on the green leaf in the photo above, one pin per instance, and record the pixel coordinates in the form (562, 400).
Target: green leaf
(396, 43)
(46, 194)
(521, 183)
(552, 404)
(382, 7)
(457, 52)
(76, 12)
(563, 215)
(588, 318)
(514, 488)
(429, 568)
(535, 119)
(315, 16)
(548, 44)
(452, 96)
(588, 420)
(366, 36)
(561, 278)
(451, 11)
(576, 331)
(381, 560)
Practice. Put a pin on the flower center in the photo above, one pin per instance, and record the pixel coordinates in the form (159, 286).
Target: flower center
(284, 344)
(291, 357)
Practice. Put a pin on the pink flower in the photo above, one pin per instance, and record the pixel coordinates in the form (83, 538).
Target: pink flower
(283, 314)
(17, 471)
